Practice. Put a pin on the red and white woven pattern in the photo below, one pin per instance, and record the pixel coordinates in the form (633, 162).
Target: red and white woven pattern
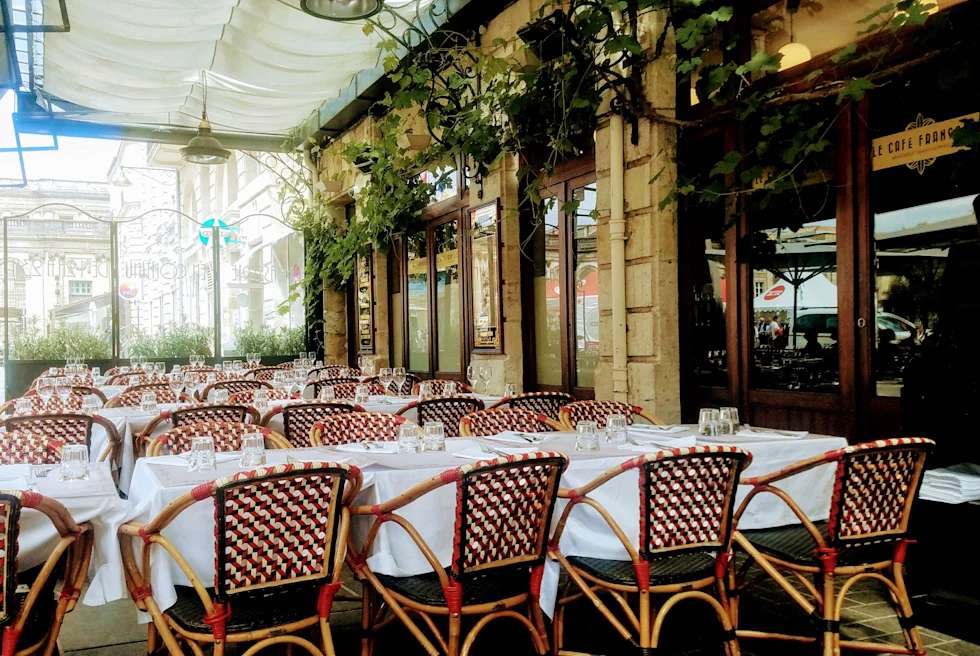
(84, 380)
(548, 404)
(200, 413)
(357, 427)
(131, 397)
(67, 428)
(54, 404)
(298, 418)
(447, 409)
(23, 447)
(873, 485)
(227, 436)
(503, 509)
(333, 371)
(439, 386)
(411, 380)
(274, 524)
(349, 390)
(686, 496)
(239, 385)
(496, 421)
(128, 379)
(248, 397)
(320, 384)
(263, 373)
(597, 411)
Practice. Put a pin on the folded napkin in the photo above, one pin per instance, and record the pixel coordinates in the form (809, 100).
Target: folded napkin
(770, 433)
(650, 428)
(375, 447)
(184, 460)
(651, 444)
(518, 437)
(476, 453)
(13, 472)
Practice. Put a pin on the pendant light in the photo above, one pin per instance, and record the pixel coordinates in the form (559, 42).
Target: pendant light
(342, 10)
(793, 53)
(204, 148)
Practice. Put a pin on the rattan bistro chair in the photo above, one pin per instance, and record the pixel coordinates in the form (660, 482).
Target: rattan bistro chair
(450, 410)
(503, 514)
(548, 404)
(70, 428)
(30, 614)
(197, 413)
(687, 499)
(439, 386)
(866, 537)
(233, 387)
(299, 418)
(132, 397)
(332, 382)
(227, 436)
(496, 421)
(248, 397)
(356, 427)
(349, 390)
(280, 539)
(54, 404)
(405, 389)
(598, 411)
(26, 448)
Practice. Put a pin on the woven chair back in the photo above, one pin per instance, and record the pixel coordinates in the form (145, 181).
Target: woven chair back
(497, 420)
(64, 428)
(298, 418)
(357, 427)
(548, 404)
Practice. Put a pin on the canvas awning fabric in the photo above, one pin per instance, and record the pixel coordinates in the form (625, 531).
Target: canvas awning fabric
(815, 293)
(139, 62)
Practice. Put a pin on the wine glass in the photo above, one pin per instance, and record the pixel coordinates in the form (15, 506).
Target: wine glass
(399, 376)
(177, 383)
(45, 388)
(486, 374)
(472, 375)
(62, 388)
(192, 381)
(134, 362)
(386, 376)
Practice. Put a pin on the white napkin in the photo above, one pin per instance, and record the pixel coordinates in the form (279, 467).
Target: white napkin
(18, 483)
(184, 460)
(770, 433)
(515, 437)
(13, 472)
(650, 428)
(377, 447)
(476, 453)
(292, 460)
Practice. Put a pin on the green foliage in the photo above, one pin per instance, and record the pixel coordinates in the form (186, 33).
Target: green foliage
(175, 340)
(269, 340)
(58, 341)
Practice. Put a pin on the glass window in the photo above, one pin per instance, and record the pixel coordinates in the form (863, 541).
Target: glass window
(79, 290)
(586, 286)
(448, 302)
(365, 304)
(397, 309)
(485, 275)
(546, 253)
(418, 302)
(445, 181)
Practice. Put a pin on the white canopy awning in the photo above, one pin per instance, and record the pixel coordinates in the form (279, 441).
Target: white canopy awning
(139, 62)
(817, 292)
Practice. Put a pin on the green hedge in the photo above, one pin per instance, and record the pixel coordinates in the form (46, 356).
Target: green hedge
(61, 340)
(175, 340)
(269, 340)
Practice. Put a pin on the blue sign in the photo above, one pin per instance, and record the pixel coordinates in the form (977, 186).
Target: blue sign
(207, 229)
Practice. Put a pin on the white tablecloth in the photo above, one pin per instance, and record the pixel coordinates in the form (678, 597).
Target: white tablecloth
(94, 501)
(395, 554)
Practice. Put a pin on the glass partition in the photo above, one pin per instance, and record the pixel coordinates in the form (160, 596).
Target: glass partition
(448, 303)
(418, 303)
(586, 286)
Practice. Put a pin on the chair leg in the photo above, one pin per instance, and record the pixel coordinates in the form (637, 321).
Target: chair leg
(646, 636)
(831, 639)
(912, 638)
(455, 623)
(367, 622)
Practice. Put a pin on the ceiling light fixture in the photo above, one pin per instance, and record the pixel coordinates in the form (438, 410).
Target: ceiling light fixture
(204, 148)
(793, 53)
(122, 181)
(342, 10)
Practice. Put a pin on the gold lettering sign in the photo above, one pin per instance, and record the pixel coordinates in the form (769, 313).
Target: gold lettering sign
(922, 142)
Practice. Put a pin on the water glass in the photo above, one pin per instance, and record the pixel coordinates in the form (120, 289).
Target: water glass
(486, 374)
(408, 439)
(202, 456)
(362, 394)
(327, 394)
(398, 376)
(96, 372)
(434, 436)
(23, 406)
(62, 387)
(90, 404)
(260, 399)
(253, 450)
(449, 389)
(510, 390)
(134, 381)
(221, 395)
(386, 376)
(587, 438)
(148, 402)
(728, 421)
(616, 429)
(52, 371)
(125, 369)
(45, 389)
(425, 391)
(74, 463)
(708, 422)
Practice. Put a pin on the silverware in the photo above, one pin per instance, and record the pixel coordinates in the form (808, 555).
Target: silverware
(533, 439)
(43, 471)
(771, 431)
(491, 450)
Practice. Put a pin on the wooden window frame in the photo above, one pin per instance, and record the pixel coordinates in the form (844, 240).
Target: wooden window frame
(469, 305)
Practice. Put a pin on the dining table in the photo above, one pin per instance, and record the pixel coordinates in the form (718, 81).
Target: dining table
(388, 474)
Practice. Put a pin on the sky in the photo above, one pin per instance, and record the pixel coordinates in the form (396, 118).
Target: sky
(76, 159)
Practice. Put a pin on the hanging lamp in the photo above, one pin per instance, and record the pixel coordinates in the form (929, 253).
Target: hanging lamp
(793, 53)
(342, 10)
(204, 148)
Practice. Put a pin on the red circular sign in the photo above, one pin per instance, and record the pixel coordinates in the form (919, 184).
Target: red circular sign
(128, 290)
(775, 292)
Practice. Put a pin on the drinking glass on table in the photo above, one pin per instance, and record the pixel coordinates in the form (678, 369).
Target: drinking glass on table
(134, 380)
(142, 361)
(434, 436)
(327, 394)
(210, 378)
(62, 387)
(253, 450)
(260, 399)
(449, 388)
(45, 389)
(362, 394)
(386, 377)
(728, 421)
(510, 390)
(176, 382)
(125, 369)
(399, 376)
(219, 366)
(52, 371)
(408, 439)
(708, 422)
(425, 390)
(148, 402)
(96, 372)
(23, 406)
(90, 404)
(160, 368)
(134, 362)
(202, 456)
(221, 395)
(616, 429)
(74, 463)
(473, 375)
(192, 381)
(587, 438)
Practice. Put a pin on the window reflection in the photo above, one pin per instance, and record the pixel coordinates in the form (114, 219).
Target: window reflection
(485, 277)
(547, 297)
(586, 287)
(448, 319)
(418, 303)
